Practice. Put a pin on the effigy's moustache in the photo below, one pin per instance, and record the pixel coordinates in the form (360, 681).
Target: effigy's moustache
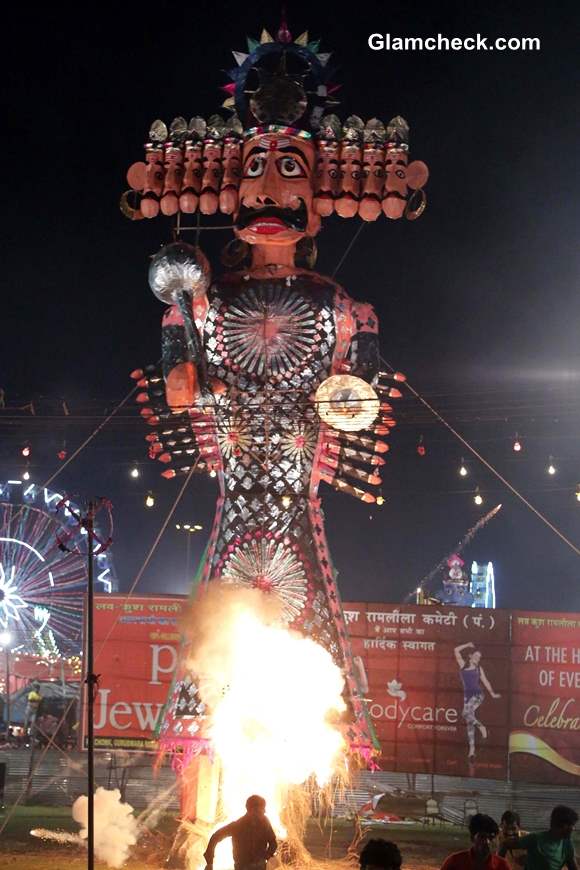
(295, 219)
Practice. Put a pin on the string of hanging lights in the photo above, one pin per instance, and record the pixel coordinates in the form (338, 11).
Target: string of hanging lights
(527, 453)
(464, 470)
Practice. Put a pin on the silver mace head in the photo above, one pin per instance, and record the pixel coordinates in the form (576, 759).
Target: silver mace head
(179, 268)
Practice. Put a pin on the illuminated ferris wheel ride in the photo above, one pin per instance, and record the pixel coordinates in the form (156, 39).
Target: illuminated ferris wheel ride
(43, 570)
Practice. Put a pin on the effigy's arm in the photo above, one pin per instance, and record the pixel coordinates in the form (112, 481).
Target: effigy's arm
(182, 423)
(351, 461)
(179, 370)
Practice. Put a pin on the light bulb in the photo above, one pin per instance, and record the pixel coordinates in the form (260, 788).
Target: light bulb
(463, 470)
(26, 475)
(578, 492)
(380, 500)
(150, 500)
(478, 498)
(134, 472)
(213, 473)
(286, 501)
(26, 451)
(187, 526)
(517, 445)
(551, 469)
(178, 526)
(198, 528)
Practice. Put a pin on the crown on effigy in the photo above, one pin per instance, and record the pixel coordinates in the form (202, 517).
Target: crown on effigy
(279, 86)
(281, 81)
(395, 134)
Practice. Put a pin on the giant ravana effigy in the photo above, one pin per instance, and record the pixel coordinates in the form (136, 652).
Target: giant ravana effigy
(270, 377)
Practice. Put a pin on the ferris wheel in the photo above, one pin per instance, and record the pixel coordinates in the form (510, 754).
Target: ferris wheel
(43, 570)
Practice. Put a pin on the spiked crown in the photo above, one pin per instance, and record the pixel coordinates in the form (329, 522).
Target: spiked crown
(281, 82)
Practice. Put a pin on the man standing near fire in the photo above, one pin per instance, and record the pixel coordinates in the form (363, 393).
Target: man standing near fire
(253, 838)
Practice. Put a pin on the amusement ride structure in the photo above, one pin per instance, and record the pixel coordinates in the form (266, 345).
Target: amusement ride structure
(43, 571)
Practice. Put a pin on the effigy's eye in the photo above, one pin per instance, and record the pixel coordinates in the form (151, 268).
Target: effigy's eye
(256, 167)
(290, 168)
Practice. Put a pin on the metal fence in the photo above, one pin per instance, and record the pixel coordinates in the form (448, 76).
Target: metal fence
(60, 778)
(460, 797)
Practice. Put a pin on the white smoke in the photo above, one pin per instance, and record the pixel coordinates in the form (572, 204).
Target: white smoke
(115, 825)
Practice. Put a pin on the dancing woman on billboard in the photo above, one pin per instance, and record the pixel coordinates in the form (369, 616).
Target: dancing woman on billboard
(474, 682)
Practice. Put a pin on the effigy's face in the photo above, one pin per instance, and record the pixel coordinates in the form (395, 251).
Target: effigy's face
(276, 190)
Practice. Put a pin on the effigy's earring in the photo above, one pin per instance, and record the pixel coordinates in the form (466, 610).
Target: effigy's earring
(306, 253)
(237, 254)
(416, 205)
(130, 209)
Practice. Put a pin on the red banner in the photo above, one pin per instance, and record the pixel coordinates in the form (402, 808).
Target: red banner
(432, 677)
(545, 708)
(438, 686)
(136, 644)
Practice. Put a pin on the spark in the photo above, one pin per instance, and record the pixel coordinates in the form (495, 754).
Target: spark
(57, 836)
(467, 539)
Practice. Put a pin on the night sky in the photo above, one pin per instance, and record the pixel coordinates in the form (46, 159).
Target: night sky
(478, 300)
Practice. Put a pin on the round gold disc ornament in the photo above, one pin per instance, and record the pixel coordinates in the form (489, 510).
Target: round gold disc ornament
(347, 403)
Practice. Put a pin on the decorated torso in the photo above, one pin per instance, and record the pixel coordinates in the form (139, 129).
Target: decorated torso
(277, 333)
(270, 343)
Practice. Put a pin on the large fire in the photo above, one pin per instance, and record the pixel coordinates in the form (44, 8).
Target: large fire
(274, 698)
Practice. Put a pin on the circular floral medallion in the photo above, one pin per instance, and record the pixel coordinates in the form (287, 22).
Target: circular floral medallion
(269, 333)
(299, 442)
(233, 436)
(272, 566)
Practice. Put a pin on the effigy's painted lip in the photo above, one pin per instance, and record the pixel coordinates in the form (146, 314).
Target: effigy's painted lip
(267, 227)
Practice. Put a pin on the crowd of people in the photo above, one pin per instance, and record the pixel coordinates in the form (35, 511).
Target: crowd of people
(507, 847)
(493, 847)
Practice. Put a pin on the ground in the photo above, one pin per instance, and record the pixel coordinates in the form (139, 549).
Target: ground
(423, 847)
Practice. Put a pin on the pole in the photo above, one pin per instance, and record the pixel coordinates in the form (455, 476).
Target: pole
(91, 685)
(7, 710)
(193, 340)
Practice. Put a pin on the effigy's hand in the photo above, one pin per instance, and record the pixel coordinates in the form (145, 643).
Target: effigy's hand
(182, 386)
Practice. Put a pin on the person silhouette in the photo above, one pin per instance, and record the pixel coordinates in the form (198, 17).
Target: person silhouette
(253, 838)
